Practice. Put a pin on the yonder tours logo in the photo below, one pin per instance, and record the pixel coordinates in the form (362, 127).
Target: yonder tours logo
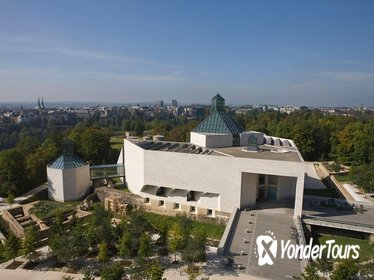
(267, 247)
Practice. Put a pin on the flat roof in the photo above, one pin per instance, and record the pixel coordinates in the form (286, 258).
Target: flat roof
(270, 152)
(176, 147)
(264, 152)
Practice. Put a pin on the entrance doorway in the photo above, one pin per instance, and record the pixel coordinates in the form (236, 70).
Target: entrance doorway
(272, 193)
(262, 195)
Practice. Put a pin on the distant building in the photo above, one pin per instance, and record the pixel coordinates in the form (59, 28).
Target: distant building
(160, 103)
(174, 103)
(68, 176)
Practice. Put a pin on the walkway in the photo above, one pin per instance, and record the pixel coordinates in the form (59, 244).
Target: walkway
(332, 223)
(277, 221)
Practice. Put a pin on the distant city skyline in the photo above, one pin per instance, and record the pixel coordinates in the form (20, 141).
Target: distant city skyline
(318, 53)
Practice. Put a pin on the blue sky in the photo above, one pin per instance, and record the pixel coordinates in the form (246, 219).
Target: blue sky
(273, 52)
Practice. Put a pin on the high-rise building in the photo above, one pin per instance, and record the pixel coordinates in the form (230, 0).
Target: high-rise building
(160, 103)
(174, 103)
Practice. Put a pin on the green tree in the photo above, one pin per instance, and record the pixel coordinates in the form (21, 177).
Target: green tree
(125, 244)
(144, 245)
(345, 270)
(113, 272)
(103, 255)
(29, 241)
(10, 199)
(195, 250)
(192, 272)
(176, 239)
(363, 176)
(99, 227)
(154, 270)
(324, 265)
(93, 143)
(70, 245)
(11, 247)
(310, 272)
(12, 171)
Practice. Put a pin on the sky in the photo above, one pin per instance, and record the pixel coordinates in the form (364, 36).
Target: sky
(316, 53)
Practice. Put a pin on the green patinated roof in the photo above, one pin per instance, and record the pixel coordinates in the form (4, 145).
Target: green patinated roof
(68, 161)
(219, 121)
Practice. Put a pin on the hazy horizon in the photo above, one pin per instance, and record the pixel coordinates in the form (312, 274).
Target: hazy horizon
(253, 52)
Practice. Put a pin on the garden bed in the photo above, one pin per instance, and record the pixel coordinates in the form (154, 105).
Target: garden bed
(14, 265)
(46, 210)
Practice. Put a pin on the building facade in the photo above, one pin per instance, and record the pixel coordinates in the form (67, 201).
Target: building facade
(224, 167)
(68, 177)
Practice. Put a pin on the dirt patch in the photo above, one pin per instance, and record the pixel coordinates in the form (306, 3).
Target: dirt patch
(74, 270)
(59, 265)
(31, 265)
(14, 265)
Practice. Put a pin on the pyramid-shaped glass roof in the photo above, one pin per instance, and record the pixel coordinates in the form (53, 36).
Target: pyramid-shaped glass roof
(68, 161)
(219, 121)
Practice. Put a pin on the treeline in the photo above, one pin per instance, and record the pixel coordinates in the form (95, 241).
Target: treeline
(23, 167)
(347, 140)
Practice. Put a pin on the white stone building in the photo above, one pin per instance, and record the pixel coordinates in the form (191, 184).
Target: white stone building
(68, 177)
(224, 167)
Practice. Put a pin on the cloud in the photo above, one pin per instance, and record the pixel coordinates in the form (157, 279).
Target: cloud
(137, 77)
(355, 63)
(18, 43)
(58, 73)
(348, 76)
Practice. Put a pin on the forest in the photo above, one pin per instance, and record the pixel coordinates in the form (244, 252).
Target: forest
(26, 150)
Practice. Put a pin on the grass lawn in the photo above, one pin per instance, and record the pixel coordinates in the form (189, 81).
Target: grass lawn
(121, 187)
(366, 250)
(321, 192)
(116, 142)
(343, 177)
(45, 210)
(213, 231)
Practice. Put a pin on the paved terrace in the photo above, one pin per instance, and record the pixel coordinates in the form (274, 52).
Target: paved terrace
(265, 152)
(348, 218)
(242, 245)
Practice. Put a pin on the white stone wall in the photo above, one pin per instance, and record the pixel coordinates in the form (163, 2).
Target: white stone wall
(134, 166)
(68, 184)
(76, 182)
(248, 190)
(55, 184)
(205, 173)
(211, 140)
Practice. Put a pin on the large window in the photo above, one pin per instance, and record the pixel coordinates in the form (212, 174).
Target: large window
(261, 179)
(160, 191)
(191, 196)
(272, 180)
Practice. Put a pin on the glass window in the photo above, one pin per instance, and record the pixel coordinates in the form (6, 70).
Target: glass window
(261, 179)
(192, 209)
(191, 196)
(160, 191)
(272, 180)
